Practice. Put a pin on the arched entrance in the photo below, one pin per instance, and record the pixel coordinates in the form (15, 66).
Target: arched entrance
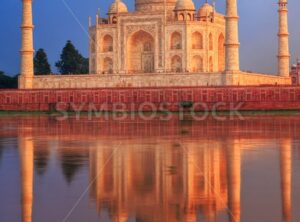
(176, 40)
(197, 40)
(176, 63)
(107, 44)
(108, 65)
(211, 42)
(221, 53)
(211, 64)
(197, 64)
(140, 52)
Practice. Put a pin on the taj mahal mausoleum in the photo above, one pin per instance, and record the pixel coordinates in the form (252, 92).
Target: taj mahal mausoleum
(162, 43)
(166, 53)
(160, 123)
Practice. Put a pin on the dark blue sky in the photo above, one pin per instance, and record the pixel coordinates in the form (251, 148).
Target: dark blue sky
(54, 24)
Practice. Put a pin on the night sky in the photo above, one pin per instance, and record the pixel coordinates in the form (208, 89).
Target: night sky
(57, 21)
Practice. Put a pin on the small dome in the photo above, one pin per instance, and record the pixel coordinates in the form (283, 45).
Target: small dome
(117, 7)
(185, 5)
(205, 10)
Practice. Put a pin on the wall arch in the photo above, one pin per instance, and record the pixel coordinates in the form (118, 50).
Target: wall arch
(210, 42)
(114, 20)
(176, 40)
(197, 40)
(181, 17)
(211, 64)
(107, 43)
(197, 64)
(107, 65)
(221, 53)
(141, 51)
(176, 63)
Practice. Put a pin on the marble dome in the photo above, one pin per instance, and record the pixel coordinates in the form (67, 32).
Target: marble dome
(185, 5)
(118, 7)
(205, 10)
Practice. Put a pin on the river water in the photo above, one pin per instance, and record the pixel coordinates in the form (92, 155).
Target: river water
(136, 170)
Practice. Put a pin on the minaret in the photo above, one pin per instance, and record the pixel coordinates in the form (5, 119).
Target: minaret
(286, 178)
(27, 69)
(234, 181)
(232, 37)
(26, 156)
(283, 40)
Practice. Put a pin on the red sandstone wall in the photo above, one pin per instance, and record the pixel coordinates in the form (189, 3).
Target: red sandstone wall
(220, 98)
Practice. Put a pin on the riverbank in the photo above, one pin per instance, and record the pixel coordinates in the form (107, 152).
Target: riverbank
(110, 113)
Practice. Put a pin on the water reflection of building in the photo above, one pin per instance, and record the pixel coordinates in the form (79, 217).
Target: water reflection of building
(1, 153)
(234, 181)
(161, 179)
(166, 181)
(26, 156)
(286, 178)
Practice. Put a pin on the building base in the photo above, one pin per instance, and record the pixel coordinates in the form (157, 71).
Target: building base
(151, 80)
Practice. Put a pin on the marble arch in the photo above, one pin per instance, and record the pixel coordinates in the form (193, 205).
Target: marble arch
(107, 65)
(107, 43)
(221, 52)
(141, 52)
(197, 40)
(197, 64)
(176, 40)
(176, 63)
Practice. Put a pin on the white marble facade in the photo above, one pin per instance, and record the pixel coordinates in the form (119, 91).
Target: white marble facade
(161, 43)
(153, 40)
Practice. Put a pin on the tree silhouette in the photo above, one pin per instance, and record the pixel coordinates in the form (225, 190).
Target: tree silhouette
(41, 64)
(71, 61)
(8, 81)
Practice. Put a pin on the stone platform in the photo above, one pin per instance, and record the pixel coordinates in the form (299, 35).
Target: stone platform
(152, 80)
(154, 98)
